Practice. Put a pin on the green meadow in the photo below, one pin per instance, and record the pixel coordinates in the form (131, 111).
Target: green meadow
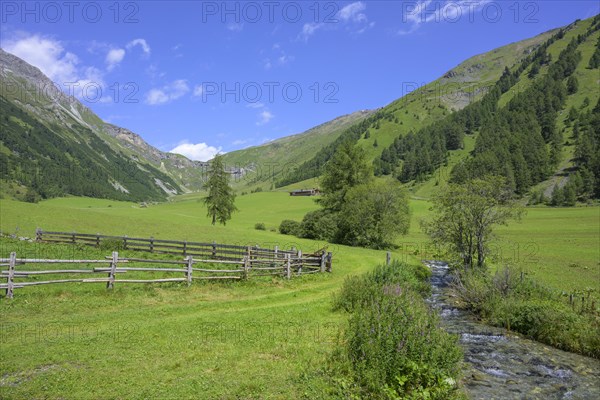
(265, 338)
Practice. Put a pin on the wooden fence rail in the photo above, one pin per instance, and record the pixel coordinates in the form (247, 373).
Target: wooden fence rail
(214, 251)
(191, 268)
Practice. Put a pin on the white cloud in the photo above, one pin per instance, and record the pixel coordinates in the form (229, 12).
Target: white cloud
(61, 66)
(310, 29)
(198, 90)
(198, 151)
(265, 117)
(425, 11)
(46, 54)
(278, 57)
(156, 96)
(114, 57)
(353, 12)
(235, 27)
(139, 42)
(167, 93)
(351, 16)
(255, 105)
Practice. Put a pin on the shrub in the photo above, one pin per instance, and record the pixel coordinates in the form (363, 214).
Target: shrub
(358, 290)
(289, 227)
(394, 342)
(393, 347)
(520, 304)
(260, 226)
(373, 214)
(111, 244)
(319, 224)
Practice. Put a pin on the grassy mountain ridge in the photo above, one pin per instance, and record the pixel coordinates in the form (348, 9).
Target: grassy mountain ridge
(52, 145)
(457, 88)
(258, 165)
(515, 129)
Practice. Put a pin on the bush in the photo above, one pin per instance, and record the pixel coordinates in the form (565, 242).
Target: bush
(356, 290)
(394, 342)
(289, 227)
(521, 305)
(111, 244)
(260, 226)
(373, 214)
(393, 347)
(319, 224)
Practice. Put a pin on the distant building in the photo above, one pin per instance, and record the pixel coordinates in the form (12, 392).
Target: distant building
(305, 192)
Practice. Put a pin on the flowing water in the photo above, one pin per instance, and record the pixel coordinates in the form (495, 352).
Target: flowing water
(503, 365)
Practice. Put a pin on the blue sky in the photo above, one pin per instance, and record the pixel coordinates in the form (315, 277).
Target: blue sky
(204, 76)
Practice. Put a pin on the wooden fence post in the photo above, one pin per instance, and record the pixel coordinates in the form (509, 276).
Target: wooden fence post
(113, 270)
(151, 244)
(214, 250)
(323, 260)
(249, 252)
(388, 258)
(190, 265)
(73, 237)
(288, 270)
(246, 266)
(125, 242)
(184, 248)
(11, 275)
(276, 251)
(328, 262)
(38, 234)
(97, 240)
(300, 262)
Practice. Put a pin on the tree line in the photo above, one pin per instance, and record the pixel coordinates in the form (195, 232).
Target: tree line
(519, 141)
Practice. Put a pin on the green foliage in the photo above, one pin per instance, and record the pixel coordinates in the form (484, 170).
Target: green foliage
(111, 244)
(572, 84)
(373, 214)
(260, 226)
(358, 291)
(31, 196)
(464, 217)
(393, 345)
(220, 202)
(319, 224)
(587, 151)
(595, 59)
(315, 166)
(514, 301)
(347, 168)
(52, 163)
(558, 196)
(289, 227)
(514, 141)
(356, 210)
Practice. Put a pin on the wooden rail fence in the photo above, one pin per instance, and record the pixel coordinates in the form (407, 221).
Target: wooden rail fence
(191, 268)
(214, 251)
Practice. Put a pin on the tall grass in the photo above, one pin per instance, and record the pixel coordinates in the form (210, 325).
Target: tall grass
(393, 346)
(514, 301)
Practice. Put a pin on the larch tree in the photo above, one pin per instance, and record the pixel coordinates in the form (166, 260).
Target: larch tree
(220, 202)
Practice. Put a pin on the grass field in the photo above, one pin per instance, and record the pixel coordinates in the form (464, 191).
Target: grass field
(266, 338)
